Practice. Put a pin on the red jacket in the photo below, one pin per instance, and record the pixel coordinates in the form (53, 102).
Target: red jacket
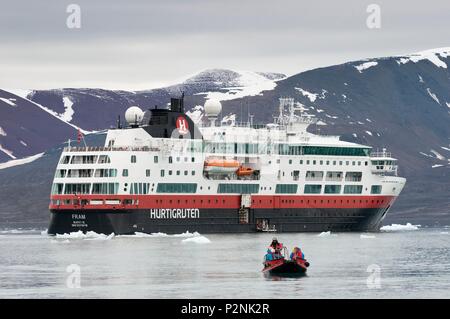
(278, 247)
(297, 255)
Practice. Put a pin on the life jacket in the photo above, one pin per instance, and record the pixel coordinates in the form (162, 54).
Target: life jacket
(278, 246)
(297, 255)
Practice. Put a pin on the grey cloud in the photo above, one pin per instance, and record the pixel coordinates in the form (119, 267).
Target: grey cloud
(144, 43)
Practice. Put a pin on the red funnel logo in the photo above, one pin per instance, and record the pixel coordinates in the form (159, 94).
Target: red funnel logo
(182, 125)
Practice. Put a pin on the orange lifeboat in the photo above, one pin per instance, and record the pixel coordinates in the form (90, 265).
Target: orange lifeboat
(244, 171)
(221, 166)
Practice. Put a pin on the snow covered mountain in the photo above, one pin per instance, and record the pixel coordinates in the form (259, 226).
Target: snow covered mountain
(27, 128)
(97, 109)
(400, 102)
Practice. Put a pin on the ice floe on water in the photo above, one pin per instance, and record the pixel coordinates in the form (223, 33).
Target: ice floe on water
(399, 227)
(90, 235)
(186, 234)
(197, 240)
(366, 236)
(326, 234)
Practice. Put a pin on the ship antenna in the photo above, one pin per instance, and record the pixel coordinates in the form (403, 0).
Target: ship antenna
(248, 112)
(182, 102)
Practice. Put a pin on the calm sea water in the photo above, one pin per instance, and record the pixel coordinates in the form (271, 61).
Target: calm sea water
(401, 264)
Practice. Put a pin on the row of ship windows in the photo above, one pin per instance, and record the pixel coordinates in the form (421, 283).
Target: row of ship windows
(146, 188)
(105, 159)
(109, 172)
(85, 159)
(282, 149)
(216, 201)
(327, 162)
(112, 172)
(264, 148)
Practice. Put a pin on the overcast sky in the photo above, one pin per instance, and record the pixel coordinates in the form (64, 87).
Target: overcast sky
(139, 44)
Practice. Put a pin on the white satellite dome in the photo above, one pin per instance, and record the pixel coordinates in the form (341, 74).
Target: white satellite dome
(134, 115)
(212, 108)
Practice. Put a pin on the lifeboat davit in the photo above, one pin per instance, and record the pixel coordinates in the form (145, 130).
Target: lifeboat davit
(221, 166)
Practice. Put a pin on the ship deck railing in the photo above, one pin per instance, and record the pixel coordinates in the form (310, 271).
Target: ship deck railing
(110, 149)
(381, 154)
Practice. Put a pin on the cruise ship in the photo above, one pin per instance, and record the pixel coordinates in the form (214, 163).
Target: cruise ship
(162, 172)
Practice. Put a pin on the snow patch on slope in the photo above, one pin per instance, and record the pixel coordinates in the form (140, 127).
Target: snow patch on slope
(248, 83)
(433, 96)
(425, 154)
(365, 66)
(7, 152)
(438, 156)
(432, 55)
(68, 112)
(8, 101)
(21, 161)
(196, 113)
(53, 113)
(311, 96)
